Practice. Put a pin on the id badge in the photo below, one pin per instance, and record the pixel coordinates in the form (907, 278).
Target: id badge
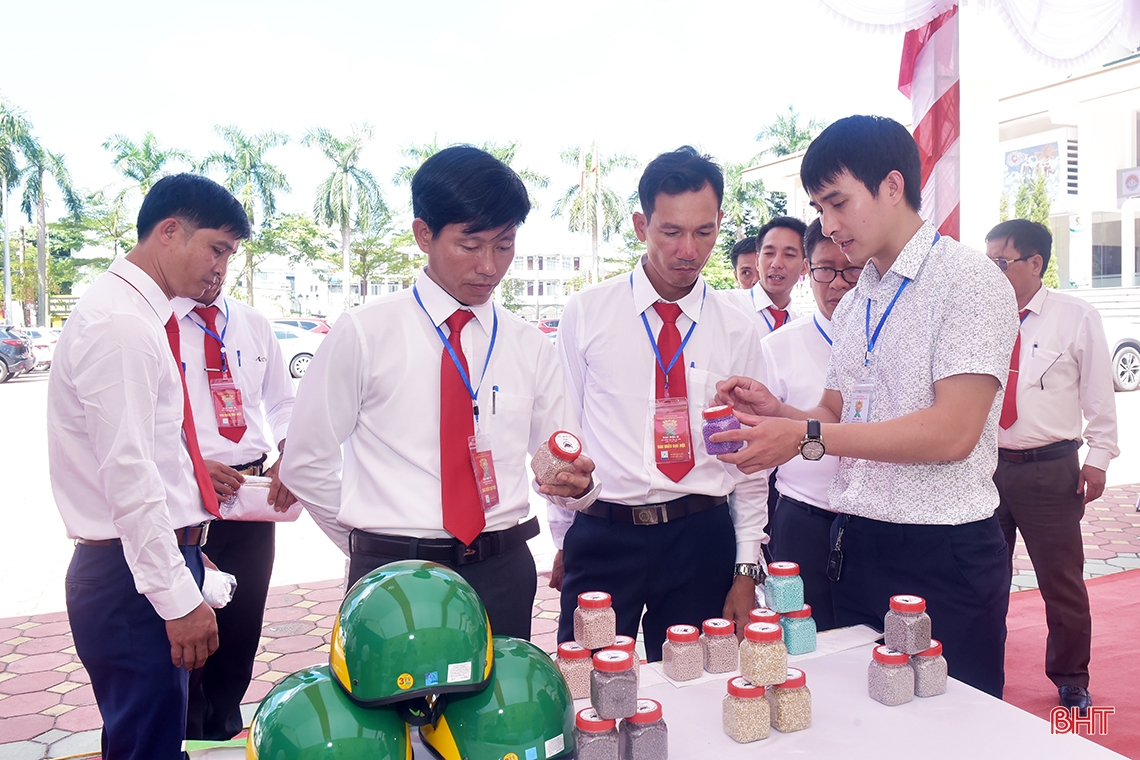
(672, 441)
(227, 402)
(862, 399)
(484, 467)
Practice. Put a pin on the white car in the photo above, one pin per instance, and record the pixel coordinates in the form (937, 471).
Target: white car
(43, 344)
(298, 347)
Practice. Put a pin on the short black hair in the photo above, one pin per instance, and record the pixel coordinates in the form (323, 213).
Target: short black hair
(787, 222)
(870, 148)
(684, 170)
(1027, 238)
(465, 185)
(747, 245)
(813, 237)
(199, 202)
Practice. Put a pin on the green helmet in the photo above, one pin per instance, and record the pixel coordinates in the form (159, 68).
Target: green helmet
(410, 629)
(307, 717)
(525, 713)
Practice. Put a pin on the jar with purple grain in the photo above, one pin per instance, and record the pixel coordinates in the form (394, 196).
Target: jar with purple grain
(719, 419)
(557, 456)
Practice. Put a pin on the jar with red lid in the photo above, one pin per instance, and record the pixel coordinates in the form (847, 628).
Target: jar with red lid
(790, 702)
(890, 679)
(720, 419)
(613, 686)
(556, 457)
(744, 711)
(575, 665)
(681, 656)
(799, 630)
(596, 737)
(764, 615)
(763, 656)
(644, 735)
(595, 623)
(719, 645)
(906, 627)
(628, 644)
(930, 671)
(783, 588)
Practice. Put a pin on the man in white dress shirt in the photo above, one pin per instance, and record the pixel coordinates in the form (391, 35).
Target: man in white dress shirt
(795, 366)
(133, 493)
(1060, 375)
(745, 263)
(642, 354)
(781, 262)
(412, 397)
(228, 346)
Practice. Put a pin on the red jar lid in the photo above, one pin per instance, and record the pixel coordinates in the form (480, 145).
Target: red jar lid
(908, 603)
(613, 660)
(718, 627)
(682, 633)
(889, 656)
(763, 632)
(796, 679)
(587, 720)
(565, 446)
(805, 612)
(763, 615)
(648, 711)
(716, 412)
(624, 643)
(594, 600)
(783, 568)
(934, 651)
(569, 650)
(739, 686)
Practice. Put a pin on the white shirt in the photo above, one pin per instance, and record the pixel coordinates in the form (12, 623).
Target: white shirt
(258, 370)
(957, 316)
(119, 466)
(611, 378)
(755, 302)
(373, 387)
(1065, 373)
(795, 365)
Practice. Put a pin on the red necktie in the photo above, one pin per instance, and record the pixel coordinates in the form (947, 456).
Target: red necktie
(201, 474)
(779, 317)
(668, 342)
(1009, 403)
(216, 366)
(462, 511)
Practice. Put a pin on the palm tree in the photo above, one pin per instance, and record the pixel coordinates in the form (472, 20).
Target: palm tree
(505, 152)
(42, 163)
(786, 136)
(350, 196)
(251, 179)
(416, 155)
(745, 204)
(143, 161)
(15, 138)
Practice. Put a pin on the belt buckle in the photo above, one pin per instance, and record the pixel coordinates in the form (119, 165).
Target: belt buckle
(647, 515)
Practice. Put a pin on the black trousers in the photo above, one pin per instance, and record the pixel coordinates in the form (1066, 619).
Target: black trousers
(506, 583)
(1040, 499)
(658, 575)
(245, 550)
(801, 533)
(961, 570)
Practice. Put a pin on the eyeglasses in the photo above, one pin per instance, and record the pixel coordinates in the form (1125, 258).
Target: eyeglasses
(827, 274)
(1003, 264)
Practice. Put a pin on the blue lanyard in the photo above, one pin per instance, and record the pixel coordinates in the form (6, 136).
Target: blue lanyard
(814, 318)
(653, 341)
(874, 339)
(220, 338)
(454, 358)
(771, 325)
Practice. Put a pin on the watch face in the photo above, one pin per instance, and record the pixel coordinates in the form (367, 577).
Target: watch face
(812, 450)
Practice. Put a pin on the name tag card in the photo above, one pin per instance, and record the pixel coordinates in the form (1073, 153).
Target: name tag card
(483, 464)
(672, 440)
(862, 399)
(227, 402)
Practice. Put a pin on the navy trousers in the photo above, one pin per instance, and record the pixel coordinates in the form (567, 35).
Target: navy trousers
(658, 575)
(122, 642)
(961, 571)
(801, 533)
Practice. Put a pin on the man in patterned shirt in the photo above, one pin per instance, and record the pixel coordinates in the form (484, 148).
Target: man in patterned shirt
(910, 405)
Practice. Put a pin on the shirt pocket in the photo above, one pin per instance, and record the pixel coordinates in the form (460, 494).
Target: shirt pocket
(1041, 360)
(702, 386)
(509, 427)
(250, 374)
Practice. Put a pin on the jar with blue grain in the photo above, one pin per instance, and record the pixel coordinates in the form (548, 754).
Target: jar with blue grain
(799, 630)
(784, 588)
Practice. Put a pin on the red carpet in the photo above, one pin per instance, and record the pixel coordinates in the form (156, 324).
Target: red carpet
(1115, 667)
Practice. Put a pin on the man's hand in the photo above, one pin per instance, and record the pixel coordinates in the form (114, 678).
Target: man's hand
(740, 601)
(193, 637)
(769, 442)
(557, 573)
(279, 496)
(1091, 483)
(574, 484)
(226, 479)
(747, 395)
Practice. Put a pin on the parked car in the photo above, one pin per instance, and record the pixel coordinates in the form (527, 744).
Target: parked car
(549, 325)
(43, 344)
(310, 324)
(297, 346)
(16, 356)
(1123, 333)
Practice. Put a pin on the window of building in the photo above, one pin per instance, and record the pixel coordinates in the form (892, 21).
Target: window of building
(393, 287)
(541, 288)
(540, 262)
(566, 263)
(1106, 250)
(577, 263)
(374, 288)
(530, 262)
(530, 289)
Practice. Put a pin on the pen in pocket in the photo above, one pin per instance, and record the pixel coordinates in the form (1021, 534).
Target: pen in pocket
(494, 394)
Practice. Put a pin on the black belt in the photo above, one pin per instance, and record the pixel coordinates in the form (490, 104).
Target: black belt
(448, 551)
(1058, 450)
(652, 514)
(255, 467)
(194, 535)
(818, 512)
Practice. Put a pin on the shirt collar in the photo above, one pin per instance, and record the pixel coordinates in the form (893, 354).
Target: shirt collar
(645, 295)
(146, 287)
(1038, 301)
(183, 306)
(823, 321)
(907, 264)
(760, 298)
(440, 304)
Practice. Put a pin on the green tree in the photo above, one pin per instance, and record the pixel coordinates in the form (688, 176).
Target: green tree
(42, 165)
(109, 221)
(786, 135)
(509, 290)
(505, 152)
(349, 197)
(385, 253)
(144, 161)
(15, 140)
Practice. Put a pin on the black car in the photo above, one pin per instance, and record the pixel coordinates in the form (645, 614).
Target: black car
(16, 355)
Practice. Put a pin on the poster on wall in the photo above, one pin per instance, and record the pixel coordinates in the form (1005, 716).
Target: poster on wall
(1128, 183)
(1027, 167)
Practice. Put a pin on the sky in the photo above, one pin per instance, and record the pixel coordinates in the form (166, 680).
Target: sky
(638, 76)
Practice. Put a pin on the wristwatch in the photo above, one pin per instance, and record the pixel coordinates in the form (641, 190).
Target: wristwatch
(748, 569)
(811, 448)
